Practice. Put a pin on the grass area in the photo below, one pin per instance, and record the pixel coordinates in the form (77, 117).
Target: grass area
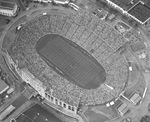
(133, 75)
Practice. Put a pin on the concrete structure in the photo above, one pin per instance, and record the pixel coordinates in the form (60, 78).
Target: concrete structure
(127, 8)
(123, 109)
(141, 12)
(122, 27)
(3, 86)
(135, 98)
(8, 8)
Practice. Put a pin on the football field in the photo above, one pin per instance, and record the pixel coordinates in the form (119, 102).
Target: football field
(76, 65)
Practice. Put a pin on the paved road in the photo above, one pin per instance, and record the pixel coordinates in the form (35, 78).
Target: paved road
(38, 114)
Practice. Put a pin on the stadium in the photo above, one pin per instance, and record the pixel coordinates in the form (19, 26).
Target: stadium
(70, 59)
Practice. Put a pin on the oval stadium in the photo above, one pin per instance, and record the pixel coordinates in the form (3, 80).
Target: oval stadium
(70, 59)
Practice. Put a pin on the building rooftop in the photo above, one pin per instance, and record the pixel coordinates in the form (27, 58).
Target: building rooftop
(7, 5)
(123, 109)
(140, 12)
(136, 98)
(137, 9)
(3, 86)
(125, 4)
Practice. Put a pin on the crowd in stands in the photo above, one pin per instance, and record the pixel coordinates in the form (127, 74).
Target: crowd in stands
(147, 28)
(132, 36)
(89, 32)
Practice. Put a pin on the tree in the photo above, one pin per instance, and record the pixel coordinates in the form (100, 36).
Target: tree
(145, 118)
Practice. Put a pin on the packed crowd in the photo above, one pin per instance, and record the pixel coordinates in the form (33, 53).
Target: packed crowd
(132, 36)
(100, 28)
(147, 28)
(90, 33)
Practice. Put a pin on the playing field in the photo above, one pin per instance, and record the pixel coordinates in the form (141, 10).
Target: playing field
(59, 52)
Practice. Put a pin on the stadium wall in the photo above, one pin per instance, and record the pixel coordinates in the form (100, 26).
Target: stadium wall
(41, 89)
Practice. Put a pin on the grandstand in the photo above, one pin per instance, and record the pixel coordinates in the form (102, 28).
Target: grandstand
(85, 53)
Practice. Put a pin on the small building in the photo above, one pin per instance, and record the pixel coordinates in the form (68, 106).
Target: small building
(3, 86)
(125, 4)
(122, 27)
(140, 12)
(8, 8)
(123, 109)
(136, 9)
(135, 98)
(111, 17)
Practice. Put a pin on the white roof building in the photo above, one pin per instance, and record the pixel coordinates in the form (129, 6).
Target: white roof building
(135, 98)
(8, 8)
(123, 109)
